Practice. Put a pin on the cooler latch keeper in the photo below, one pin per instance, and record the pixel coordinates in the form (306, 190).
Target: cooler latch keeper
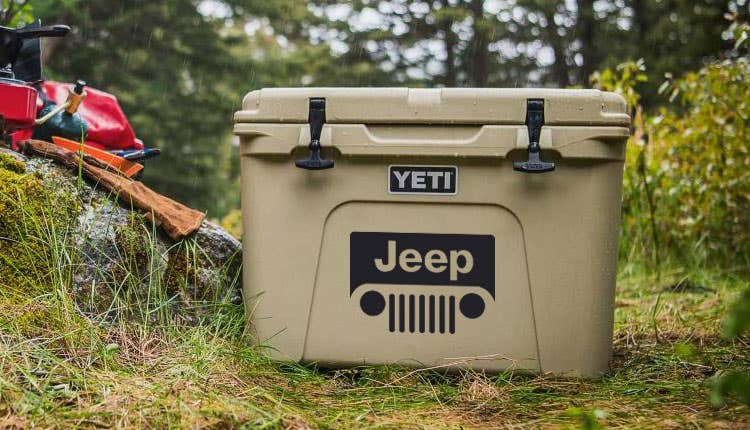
(534, 123)
(316, 118)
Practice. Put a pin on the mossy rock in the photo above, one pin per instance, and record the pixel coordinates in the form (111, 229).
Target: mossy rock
(57, 231)
(37, 212)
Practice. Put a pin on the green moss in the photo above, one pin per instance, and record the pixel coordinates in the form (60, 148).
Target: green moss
(134, 252)
(147, 281)
(35, 217)
(181, 271)
(9, 163)
(124, 288)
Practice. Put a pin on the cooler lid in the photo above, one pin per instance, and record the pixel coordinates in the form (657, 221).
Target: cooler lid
(434, 106)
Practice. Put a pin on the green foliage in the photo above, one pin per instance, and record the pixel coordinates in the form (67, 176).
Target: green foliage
(687, 173)
(740, 31)
(701, 163)
(672, 37)
(588, 420)
(687, 182)
(232, 223)
(443, 43)
(731, 384)
(15, 12)
(623, 80)
(11, 164)
(734, 383)
(738, 320)
(180, 74)
(638, 225)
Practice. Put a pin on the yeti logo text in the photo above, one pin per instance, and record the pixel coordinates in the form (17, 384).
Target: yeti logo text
(422, 180)
(435, 260)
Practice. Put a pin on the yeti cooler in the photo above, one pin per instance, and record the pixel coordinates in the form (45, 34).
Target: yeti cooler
(433, 227)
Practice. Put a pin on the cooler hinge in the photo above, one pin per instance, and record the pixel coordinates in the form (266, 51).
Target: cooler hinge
(316, 118)
(534, 123)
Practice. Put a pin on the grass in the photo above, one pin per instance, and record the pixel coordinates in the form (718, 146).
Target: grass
(74, 371)
(129, 363)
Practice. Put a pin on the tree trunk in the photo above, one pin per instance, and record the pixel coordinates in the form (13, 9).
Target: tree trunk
(559, 67)
(450, 40)
(479, 45)
(640, 26)
(585, 30)
(450, 55)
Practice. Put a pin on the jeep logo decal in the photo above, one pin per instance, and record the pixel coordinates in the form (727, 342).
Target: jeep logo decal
(435, 260)
(463, 263)
(422, 180)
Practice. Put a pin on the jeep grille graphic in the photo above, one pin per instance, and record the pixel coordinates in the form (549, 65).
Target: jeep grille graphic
(422, 313)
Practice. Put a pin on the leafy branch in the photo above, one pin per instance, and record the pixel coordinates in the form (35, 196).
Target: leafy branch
(13, 10)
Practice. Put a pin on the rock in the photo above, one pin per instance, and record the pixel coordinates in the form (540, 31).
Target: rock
(119, 255)
(11, 153)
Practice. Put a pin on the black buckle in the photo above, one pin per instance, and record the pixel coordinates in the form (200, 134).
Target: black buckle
(316, 118)
(534, 123)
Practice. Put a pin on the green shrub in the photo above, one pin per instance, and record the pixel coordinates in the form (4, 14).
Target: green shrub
(702, 158)
(686, 189)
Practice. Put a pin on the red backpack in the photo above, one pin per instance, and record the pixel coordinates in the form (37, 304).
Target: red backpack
(108, 127)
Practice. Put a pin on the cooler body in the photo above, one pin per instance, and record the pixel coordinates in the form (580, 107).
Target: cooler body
(423, 246)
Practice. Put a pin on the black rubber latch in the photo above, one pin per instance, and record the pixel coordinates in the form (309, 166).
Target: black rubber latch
(316, 118)
(534, 123)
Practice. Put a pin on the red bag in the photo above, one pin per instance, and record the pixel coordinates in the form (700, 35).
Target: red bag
(109, 129)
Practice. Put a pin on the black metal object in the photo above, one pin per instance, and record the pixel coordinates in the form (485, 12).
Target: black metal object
(316, 118)
(534, 123)
(80, 85)
(138, 155)
(28, 64)
(11, 39)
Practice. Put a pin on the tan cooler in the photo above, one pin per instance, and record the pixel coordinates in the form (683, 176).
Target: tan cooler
(426, 227)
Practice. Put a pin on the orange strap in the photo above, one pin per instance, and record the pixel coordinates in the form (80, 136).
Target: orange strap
(114, 162)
